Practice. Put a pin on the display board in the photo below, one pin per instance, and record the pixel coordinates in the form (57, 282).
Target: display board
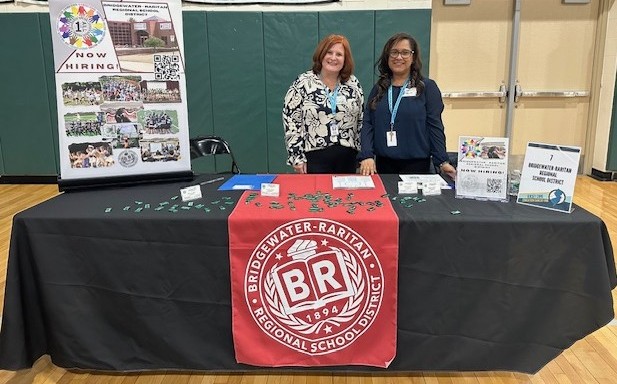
(121, 91)
(549, 176)
(482, 168)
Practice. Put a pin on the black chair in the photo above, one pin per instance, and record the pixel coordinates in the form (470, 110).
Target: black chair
(212, 146)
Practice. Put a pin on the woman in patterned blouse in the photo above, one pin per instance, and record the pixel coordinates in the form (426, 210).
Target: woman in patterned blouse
(322, 114)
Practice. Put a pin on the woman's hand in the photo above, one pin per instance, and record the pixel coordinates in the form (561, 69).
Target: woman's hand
(300, 168)
(449, 170)
(368, 167)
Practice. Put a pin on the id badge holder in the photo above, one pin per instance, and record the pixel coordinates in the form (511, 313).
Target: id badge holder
(411, 92)
(333, 132)
(391, 138)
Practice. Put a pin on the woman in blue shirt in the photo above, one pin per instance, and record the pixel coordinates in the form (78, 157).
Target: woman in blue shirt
(402, 128)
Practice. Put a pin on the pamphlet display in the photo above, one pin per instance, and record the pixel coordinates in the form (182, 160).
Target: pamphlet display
(121, 89)
(482, 171)
(548, 176)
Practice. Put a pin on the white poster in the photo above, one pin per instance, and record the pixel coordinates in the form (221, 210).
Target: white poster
(121, 88)
(482, 170)
(548, 176)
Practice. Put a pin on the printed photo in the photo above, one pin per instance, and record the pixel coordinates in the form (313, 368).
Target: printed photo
(82, 93)
(140, 32)
(493, 151)
(121, 88)
(167, 149)
(124, 142)
(122, 130)
(159, 122)
(91, 155)
(120, 114)
(161, 91)
(83, 123)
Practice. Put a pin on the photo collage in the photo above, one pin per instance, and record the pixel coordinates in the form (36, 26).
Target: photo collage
(104, 118)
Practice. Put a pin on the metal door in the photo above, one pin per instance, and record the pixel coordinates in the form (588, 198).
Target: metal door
(515, 68)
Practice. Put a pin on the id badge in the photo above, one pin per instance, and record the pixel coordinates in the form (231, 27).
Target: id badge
(333, 129)
(391, 138)
(411, 92)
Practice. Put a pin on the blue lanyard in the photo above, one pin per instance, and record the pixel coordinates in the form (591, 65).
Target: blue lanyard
(332, 96)
(398, 101)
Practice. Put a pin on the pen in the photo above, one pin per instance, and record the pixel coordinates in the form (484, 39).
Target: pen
(212, 181)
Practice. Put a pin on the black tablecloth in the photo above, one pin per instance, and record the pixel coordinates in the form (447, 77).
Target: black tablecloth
(134, 279)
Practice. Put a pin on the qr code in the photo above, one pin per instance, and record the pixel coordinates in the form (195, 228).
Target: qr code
(166, 67)
(494, 185)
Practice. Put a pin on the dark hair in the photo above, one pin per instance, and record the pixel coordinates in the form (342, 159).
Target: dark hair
(322, 49)
(385, 73)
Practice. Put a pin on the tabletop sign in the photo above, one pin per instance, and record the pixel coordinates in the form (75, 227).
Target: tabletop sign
(420, 179)
(548, 176)
(407, 187)
(191, 193)
(431, 188)
(270, 189)
(482, 171)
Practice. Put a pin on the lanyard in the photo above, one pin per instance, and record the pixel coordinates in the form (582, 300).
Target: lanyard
(332, 96)
(398, 101)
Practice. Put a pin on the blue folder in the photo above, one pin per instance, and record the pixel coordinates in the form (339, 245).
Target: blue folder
(246, 182)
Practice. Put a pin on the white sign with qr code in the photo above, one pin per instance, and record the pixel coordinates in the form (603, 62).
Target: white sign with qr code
(482, 170)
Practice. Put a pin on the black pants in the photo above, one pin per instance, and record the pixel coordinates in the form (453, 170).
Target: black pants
(396, 166)
(332, 159)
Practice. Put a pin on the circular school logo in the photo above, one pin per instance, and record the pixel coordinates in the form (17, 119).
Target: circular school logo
(556, 197)
(127, 158)
(81, 26)
(314, 285)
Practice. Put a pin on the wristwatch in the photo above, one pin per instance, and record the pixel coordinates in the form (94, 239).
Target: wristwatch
(444, 163)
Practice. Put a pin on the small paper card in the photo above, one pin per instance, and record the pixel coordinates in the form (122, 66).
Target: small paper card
(352, 182)
(431, 188)
(270, 189)
(407, 187)
(422, 178)
(191, 193)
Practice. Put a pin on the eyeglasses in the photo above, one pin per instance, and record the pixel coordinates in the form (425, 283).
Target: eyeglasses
(405, 53)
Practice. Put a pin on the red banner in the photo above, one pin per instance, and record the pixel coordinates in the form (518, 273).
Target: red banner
(314, 275)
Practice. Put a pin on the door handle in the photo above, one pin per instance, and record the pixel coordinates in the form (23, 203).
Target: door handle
(501, 94)
(556, 93)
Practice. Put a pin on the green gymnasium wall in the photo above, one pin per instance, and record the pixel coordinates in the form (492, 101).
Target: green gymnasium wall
(238, 68)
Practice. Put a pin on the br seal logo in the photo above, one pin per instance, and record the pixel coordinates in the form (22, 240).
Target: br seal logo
(314, 285)
(127, 158)
(81, 26)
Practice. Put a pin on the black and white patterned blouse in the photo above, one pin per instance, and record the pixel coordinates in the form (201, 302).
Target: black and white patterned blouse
(307, 116)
